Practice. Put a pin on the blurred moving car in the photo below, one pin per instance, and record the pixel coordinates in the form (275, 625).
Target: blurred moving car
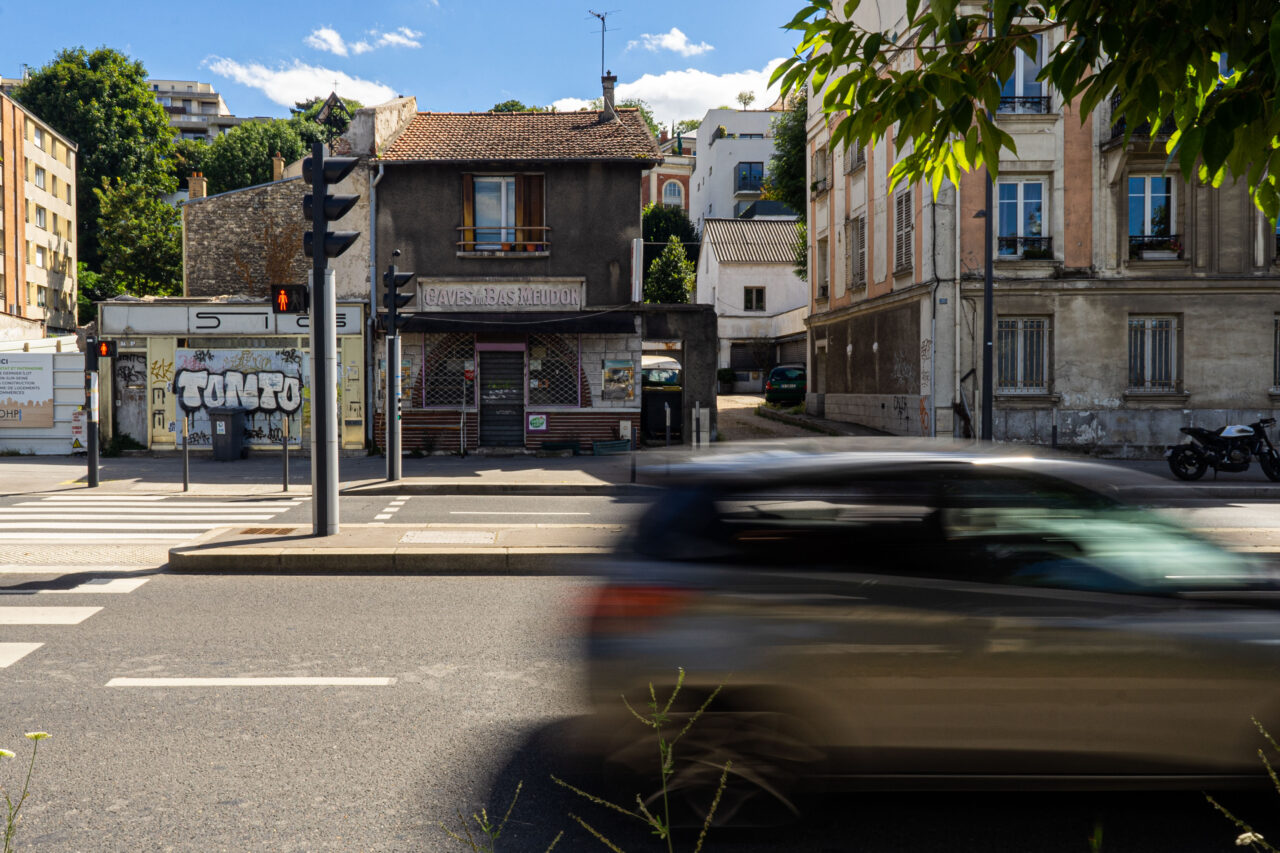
(786, 384)
(928, 619)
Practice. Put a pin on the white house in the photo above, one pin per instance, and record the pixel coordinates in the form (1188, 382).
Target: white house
(734, 149)
(746, 269)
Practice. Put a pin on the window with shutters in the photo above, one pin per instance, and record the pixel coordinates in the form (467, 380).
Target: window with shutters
(503, 214)
(854, 158)
(902, 232)
(857, 274)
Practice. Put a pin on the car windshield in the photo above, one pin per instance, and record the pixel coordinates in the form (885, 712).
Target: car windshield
(787, 373)
(661, 376)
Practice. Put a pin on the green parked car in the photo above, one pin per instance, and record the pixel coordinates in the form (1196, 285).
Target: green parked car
(786, 384)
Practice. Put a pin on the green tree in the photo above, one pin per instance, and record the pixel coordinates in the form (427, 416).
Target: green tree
(746, 98)
(514, 106)
(786, 180)
(141, 239)
(1210, 68)
(658, 224)
(101, 102)
(188, 156)
(671, 278)
(90, 288)
(686, 126)
(306, 113)
(242, 156)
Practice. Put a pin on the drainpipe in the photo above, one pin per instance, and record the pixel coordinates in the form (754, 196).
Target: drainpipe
(957, 317)
(370, 373)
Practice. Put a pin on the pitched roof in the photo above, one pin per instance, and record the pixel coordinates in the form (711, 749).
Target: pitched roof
(524, 136)
(751, 241)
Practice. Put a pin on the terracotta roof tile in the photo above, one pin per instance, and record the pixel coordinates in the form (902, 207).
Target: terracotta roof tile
(524, 136)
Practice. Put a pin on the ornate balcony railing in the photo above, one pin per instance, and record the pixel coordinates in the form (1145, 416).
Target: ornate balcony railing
(1024, 105)
(1026, 248)
(1142, 131)
(512, 238)
(1165, 247)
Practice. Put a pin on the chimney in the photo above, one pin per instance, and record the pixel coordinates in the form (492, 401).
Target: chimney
(196, 185)
(662, 137)
(277, 167)
(608, 82)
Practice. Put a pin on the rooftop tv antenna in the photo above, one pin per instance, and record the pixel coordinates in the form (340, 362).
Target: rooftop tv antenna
(603, 30)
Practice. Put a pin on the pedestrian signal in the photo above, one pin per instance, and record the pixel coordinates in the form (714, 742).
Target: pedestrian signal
(289, 299)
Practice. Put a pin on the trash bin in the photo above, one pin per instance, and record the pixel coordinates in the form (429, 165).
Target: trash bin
(227, 425)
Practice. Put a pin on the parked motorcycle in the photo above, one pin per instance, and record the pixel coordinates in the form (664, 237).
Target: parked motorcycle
(1227, 449)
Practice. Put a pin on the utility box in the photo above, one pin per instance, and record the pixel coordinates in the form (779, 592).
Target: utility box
(227, 426)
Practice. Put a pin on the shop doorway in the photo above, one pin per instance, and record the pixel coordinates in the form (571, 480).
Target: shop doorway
(502, 398)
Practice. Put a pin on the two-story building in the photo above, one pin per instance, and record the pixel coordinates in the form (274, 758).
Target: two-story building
(1129, 299)
(519, 227)
(734, 149)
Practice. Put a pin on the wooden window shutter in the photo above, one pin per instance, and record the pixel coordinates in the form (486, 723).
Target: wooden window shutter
(468, 214)
(850, 231)
(533, 211)
(861, 260)
(522, 197)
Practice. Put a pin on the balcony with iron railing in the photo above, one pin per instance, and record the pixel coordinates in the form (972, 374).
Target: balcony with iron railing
(1023, 105)
(522, 240)
(748, 184)
(1149, 247)
(1013, 248)
(1142, 131)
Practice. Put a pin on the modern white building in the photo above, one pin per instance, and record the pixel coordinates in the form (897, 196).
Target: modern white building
(195, 110)
(746, 269)
(734, 149)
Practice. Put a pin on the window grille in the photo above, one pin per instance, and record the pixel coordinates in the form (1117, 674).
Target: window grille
(553, 370)
(1020, 355)
(1152, 354)
(446, 357)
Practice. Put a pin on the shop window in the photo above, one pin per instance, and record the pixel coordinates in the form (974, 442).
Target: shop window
(446, 360)
(553, 370)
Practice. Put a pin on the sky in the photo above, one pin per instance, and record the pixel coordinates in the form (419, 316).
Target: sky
(453, 55)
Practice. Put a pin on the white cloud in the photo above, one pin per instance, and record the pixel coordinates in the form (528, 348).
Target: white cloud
(329, 40)
(677, 95)
(673, 40)
(288, 84)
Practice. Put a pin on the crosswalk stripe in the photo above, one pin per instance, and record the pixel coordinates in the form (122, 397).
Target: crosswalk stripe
(11, 653)
(46, 537)
(212, 517)
(45, 615)
(118, 525)
(298, 681)
(103, 496)
(247, 506)
(94, 586)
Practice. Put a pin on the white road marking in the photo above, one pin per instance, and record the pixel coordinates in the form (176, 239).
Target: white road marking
(477, 512)
(60, 569)
(110, 525)
(176, 506)
(103, 496)
(206, 517)
(302, 681)
(48, 538)
(382, 517)
(95, 586)
(45, 615)
(11, 653)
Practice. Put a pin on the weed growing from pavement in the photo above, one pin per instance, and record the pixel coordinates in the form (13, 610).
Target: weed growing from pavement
(13, 807)
(658, 719)
(1247, 837)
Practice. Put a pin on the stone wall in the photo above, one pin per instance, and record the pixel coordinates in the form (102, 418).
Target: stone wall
(239, 242)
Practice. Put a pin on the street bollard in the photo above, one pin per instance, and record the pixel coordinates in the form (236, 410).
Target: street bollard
(697, 424)
(186, 455)
(666, 408)
(284, 446)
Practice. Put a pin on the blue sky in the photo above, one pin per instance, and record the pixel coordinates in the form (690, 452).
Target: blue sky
(452, 54)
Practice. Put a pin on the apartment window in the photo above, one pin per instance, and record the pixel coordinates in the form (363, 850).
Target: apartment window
(854, 158)
(1021, 347)
(1151, 221)
(40, 216)
(40, 176)
(753, 298)
(857, 251)
(1021, 220)
(1023, 93)
(40, 257)
(902, 231)
(42, 296)
(673, 194)
(1153, 353)
(37, 137)
(820, 267)
(748, 177)
(502, 213)
(819, 170)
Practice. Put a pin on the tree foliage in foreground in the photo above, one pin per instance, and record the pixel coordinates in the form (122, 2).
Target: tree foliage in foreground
(937, 82)
(786, 179)
(671, 277)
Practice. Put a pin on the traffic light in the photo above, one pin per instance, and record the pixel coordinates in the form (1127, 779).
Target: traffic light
(393, 280)
(331, 170)
(106, 349)
(289, 299)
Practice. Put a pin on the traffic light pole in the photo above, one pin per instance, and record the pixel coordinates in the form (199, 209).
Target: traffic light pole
(91, 408)
(324, 405)
(393, 404)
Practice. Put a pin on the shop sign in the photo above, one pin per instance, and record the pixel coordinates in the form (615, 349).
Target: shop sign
(485, 296)
(26, 390)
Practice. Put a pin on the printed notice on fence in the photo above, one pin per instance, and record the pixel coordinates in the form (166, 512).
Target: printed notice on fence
(26, 390)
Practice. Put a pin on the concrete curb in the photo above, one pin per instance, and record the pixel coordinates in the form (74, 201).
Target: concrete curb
(550, 562)
(408, 487)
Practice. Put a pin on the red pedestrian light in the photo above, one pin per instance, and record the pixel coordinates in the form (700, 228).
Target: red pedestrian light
(289, 299)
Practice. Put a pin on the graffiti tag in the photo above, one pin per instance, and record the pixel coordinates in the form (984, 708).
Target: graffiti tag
(264, 391)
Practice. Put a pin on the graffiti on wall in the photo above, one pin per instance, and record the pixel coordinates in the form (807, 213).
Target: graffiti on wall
(269, 385)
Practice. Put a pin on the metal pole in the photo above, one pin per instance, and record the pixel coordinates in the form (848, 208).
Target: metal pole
(697, 424)
(91, 405)
(324, 414)
(393, 406)
(666, 408)
(186, 454)
(284, 446)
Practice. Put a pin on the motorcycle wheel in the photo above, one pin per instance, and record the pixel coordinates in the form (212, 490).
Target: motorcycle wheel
(1270, 466)
(1188, 463)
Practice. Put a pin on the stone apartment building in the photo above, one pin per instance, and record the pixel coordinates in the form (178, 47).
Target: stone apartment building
(1129, 299)
(37, 226)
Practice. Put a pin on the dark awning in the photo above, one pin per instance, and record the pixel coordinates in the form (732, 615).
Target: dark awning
(541, 322)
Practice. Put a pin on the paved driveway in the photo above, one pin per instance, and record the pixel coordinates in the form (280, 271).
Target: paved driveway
(738, 421)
